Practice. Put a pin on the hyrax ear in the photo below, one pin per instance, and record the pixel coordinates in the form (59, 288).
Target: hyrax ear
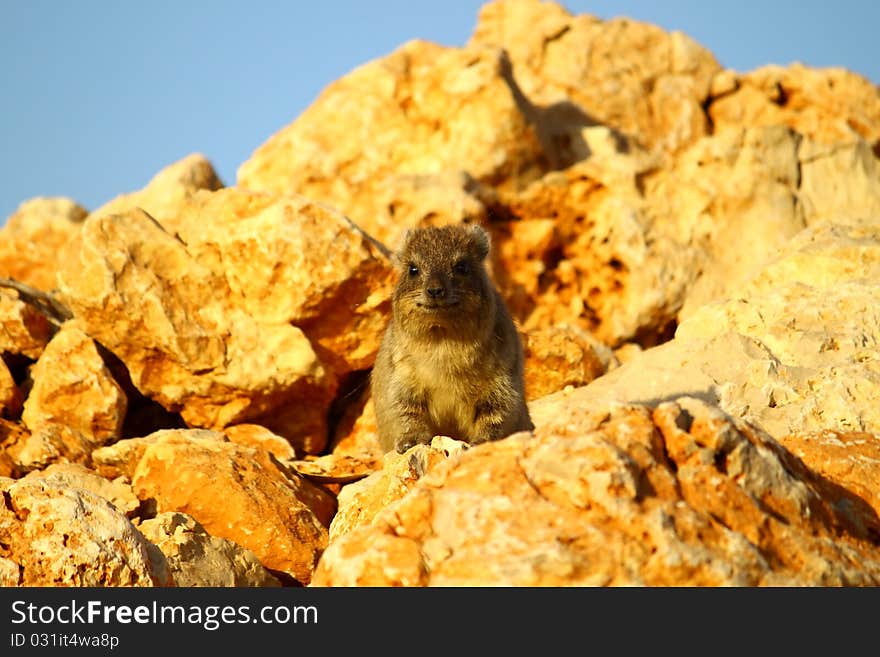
(480, 239)
(398, 258)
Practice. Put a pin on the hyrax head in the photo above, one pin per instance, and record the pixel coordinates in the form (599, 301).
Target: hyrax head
(443, 285)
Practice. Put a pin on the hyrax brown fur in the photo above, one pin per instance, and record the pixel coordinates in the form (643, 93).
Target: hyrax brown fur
(451, 361)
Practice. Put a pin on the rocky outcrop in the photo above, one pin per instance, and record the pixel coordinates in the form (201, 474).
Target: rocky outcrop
(241, 318)
(268, 508)
(675, 495)
(428, 112)
(846, 463)
(47, 444)
(633, 77)
(827, 105)
(188, 347)
(557, 358)
(362, 501)
(167, 191)
(692, 257)
(33, 235)
(62, 535)
(73, 475)
(195, 558)
(796, 350)
(294, 261)
(24, 331)
(73, 387)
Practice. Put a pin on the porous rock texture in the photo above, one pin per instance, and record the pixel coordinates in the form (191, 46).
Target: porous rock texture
(675, 495)
(235, 492)
(691, 254)
(63, 535)
(195, 558)
(73, 387)
(31, 238)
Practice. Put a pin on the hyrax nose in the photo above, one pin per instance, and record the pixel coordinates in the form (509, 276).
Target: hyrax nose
(436, 292)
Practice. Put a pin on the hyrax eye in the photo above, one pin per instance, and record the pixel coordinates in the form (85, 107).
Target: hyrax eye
(412, 270)
(462, 267)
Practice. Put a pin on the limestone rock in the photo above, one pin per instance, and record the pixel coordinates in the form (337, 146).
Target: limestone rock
(121, 458)
(603, 265)
(8, 432)
(731, 201)
(356, 433)
(189, 347)
(47, 444)
(839, 182)
(267, 508)
(32, 237)
(825, 256)
(426, 111)
(167, 191)
(679, 495)
(523, 254)
(291, 260)
(75, 475)
(812, 319)
(259, 437)
(847, 462)
(73, 387)
(23, 330)
(631, 76)
(559, 357)
(409, 200)
(570, 77)
(332, 468)
(827, 105)
(196, 558)
(10, 572)
(361, 501)
(64, 536)
(746, 378)
(10, 396)
(627, 260)
(795, 350)
(650, 218)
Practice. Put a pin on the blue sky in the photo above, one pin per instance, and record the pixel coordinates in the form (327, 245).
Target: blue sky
(96, 96)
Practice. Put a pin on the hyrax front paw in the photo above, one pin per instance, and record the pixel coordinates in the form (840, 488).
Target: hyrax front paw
(405, 442)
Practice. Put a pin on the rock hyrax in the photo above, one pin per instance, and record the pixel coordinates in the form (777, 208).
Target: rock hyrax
(451, 361)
